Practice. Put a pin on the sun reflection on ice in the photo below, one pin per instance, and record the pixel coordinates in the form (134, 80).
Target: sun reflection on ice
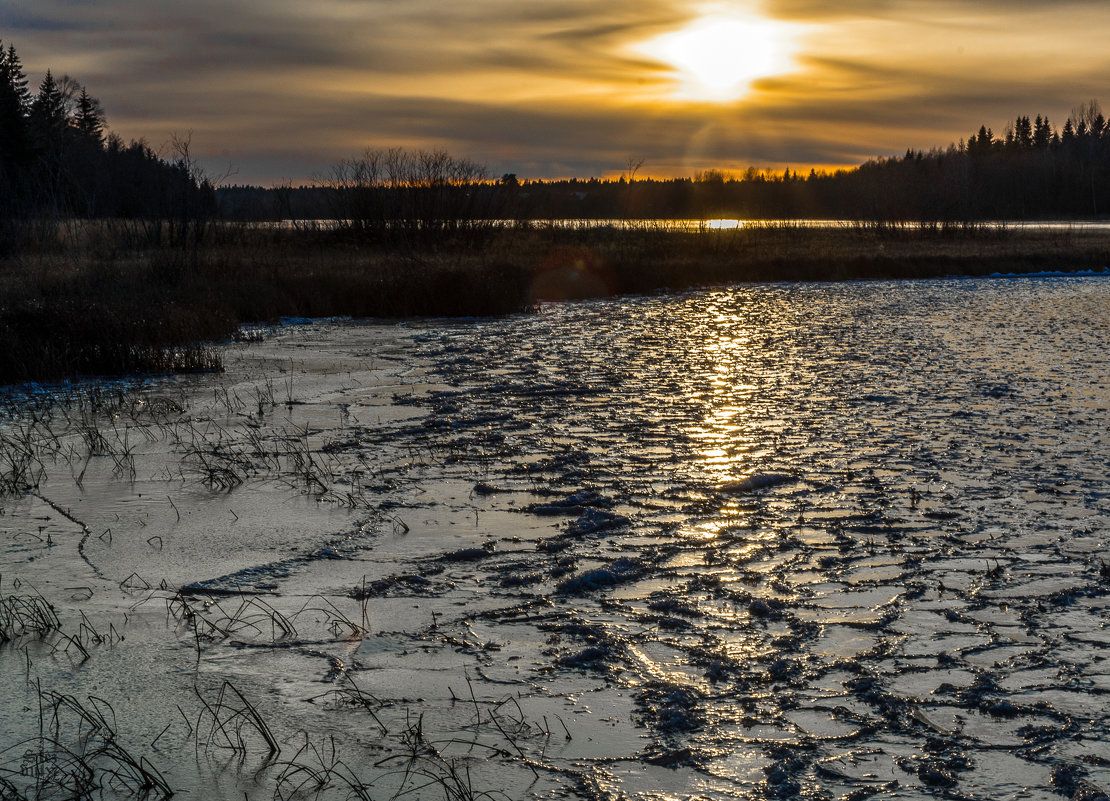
(725, 446)
(730, 435)
(723, 225)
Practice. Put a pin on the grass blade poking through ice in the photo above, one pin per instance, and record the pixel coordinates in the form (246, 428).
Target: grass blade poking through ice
(231, 714)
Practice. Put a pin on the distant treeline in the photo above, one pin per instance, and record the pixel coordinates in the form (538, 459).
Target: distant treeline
(1033, 170)
(58, 160)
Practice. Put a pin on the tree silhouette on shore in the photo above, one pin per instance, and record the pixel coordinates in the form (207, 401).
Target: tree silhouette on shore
(58, 161)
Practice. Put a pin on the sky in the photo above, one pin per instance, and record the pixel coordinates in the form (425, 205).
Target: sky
(273, 91)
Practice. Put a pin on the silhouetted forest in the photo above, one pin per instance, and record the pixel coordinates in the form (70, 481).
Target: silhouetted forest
(1034, 170)
(116, 258)
(58, 161)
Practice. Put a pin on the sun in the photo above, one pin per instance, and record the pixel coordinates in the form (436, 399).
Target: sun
(719, 55)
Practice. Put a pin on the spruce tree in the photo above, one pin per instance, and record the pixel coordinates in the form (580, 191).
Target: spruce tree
(88, 120)
(982, 143)
(15, 102)
(48, 117)
(1068, 135)
(1042, 133)
(1023, 133)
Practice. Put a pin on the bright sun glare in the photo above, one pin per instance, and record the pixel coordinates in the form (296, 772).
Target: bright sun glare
(717, 56)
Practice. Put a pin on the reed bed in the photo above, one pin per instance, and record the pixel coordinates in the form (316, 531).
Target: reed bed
(77, 754)
(100, 302)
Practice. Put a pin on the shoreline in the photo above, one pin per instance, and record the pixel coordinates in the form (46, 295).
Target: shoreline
(688, 529)
(90, 304)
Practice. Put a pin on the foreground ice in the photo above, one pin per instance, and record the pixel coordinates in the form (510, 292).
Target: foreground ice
(829, 541)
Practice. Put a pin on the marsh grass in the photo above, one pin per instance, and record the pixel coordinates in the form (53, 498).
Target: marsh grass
(418, 767)
(26, 616)
(104, 299)
(315, 768)
(43, 430)
(415, 763)
(231, 722)
(647, 259)
(76, 754)
(21, 466)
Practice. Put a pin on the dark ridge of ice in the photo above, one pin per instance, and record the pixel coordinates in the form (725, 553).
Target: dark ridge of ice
(596, 521)
(618, 572)
(757, 482)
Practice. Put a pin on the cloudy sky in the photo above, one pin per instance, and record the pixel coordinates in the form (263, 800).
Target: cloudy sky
(280, 89)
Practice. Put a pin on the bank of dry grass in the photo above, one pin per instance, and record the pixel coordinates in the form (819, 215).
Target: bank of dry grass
(95, 302)
(645, 261)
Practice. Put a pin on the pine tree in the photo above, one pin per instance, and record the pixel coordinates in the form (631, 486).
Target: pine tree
(1068, 135)
(12, 78)
(982, 143)
(88, 120)
(48, 116)
(1042, 133)
(1023, 133)
(15, 102)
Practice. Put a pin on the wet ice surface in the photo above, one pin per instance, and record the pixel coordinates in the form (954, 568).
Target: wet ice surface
(836, 541)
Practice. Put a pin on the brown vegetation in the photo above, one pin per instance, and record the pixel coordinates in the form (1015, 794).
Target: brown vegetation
(90, 298)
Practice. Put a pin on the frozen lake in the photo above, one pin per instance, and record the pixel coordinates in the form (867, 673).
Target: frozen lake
(835, 540)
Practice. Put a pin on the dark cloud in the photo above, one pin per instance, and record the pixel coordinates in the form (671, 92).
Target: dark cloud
(553, 88)
(24, 20)
(818, 10)
(809, 10)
